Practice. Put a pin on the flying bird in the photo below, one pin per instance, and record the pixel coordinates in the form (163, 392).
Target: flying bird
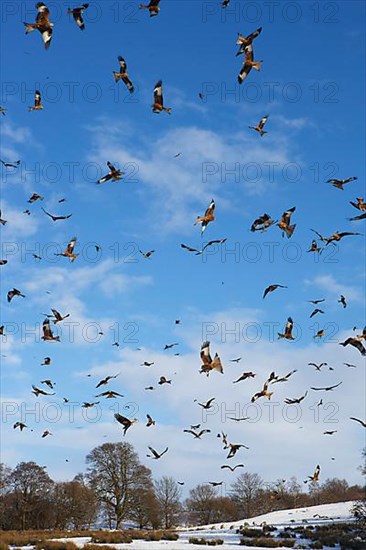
(46, 433)
(122, 75)
(105, 380)
(197, 435)
(263, 393)
(248, 65)
(38, 391)
(231, 468)
(215, 483)
(77, 14)
(14, 292)
(208, 216)
(315, 476)
(330, 432)
(169, 346)
(20, 425)
(234, 449)
(48, 383)
(244, 376)
(271, 288)
(315, 302)
(356, 343)
(235, 360)
(126, 422)
(47, 332)
(296, 400)
(155, 454)
(288, 330)
(42, 24)
(150, 421)
(356, 218)
(163, 380)
(315, 311)
(328, 388)
(3, 111)
(209, 364)
(69, 251)
(147, 364)
(35, 197)
(244, 41)
(225, 3)
(360, 204)
(147, 254)
(262, 223)
(109, 394)
(275, 379)
(208, 404)
(342, 300)
(339, 183)
(114, 174)
(37, 102)
(260, 125)
(10, 164)
(284, 224)
(198, 252)
(153, 7)
(58, 317)
(3, 222)
(158, 105)
(318, 367)
(88, 405)
(55, 218)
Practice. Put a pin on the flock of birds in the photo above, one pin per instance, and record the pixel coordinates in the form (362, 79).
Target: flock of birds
(262, 223)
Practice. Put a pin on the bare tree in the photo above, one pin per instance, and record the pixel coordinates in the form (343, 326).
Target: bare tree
(245, 491)
(31, 486)
(202, 503)
(74, 505)
(168, 494)
(143, 503)
(114, 473)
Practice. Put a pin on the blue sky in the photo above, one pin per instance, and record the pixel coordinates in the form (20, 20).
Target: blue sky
(312, 87)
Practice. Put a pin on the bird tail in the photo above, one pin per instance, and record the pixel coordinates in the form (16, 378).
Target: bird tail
(289, 230)
(168, 110)
(117, 76)
(257, 65)
(262, 132)
(280, 335)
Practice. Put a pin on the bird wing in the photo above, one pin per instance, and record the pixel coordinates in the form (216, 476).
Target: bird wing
(205, 353)
(158, 93)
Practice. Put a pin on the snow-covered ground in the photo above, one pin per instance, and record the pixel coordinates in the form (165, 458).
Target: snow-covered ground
(325, 513)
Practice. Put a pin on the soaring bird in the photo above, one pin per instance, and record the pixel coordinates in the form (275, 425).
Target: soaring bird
(122, 75)
(356, 218)
(342, 300)
(114, 174)
(284, 224)
(38, 391)
(169, 346)
(262, 223)
(109, 394)
(275, 379)
(288, 330)
(155, 454)
(55, 218)
(225, 3)
(208, 404)
(88, 405)
(147, 254)
(158, 105)
(215, 483)
(328, 388)
(37, 102)
(248, 64)
(209, 243)
(231, 468)
(339, 183)
(263, 393)
(163, 380)
(105, 380)
(3, 262)
(153, 7)
(48, 383)
(14, 292)
(315, 302)
(20, 425)
(46, 433)
(330, 432)
(77, 14)
(271, 288)
(360, 204)
(244, 41)
(126, 422)
(208, 216)
(35, 197)
(315, 311)
(42, 24)
(356, 342)
(147, 364)
(10, 164)
(296, 400)
(318, 367)
(58, 317)
(315, 476)
(244, 376)
(69, 251)
(197, 435)
(234, 449)
(46, 361)
(150, 421)
(47, 332)
(338, 235)
(260, 125)
(209, 364)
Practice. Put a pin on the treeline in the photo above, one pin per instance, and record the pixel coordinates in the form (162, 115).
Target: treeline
(117, 488)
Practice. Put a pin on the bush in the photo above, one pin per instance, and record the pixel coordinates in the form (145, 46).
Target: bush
(169, 535)
(4, 546)
(248, 532)
(265, 542)
(214, 542)
(98, 547)
(116, 537)
(195, 540)
(316, 545)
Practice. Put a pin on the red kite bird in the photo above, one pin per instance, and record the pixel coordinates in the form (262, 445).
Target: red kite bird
(259, 127)
(284, 224)
(47, 332)
(158, 104)
(207, 217)
(37, 102)
(77, 14)
(248, 64)
(339, 183)
(69, 252)
(42, 24)
(122, 75)
(114, 174)
(288, 330)
(209, 364)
